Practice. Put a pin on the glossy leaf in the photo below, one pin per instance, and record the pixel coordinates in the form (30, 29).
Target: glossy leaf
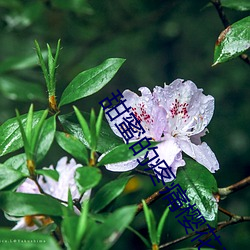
(74, 228)
(84, 125)
(73, 146)
(92, 127)
(107, 138)
(9, 175)
(241, 5)
(105, 235)
(108, 193)
(46, 137)
(123, 153)
(69, 230)
(87, 177)
(53, 174)
(16, 240)
(19, 90)
(20, 204)
(99, 123)
(151, 223)
(82, 223)
(161, 224)
(90, 81)
(18, 162)
(200, 185)
(38, 132)
(10, 136)
(233, 41)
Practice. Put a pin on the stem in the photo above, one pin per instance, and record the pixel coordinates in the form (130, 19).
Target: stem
(144, 173)
(42, 192)
(224, 211)
(152, 198)
(234, 220)
(224, 192)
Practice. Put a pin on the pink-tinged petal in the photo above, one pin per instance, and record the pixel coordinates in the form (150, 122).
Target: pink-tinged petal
(29, 187)
(196, 139)
(59, 189)
(169, 151)
(151, 116)
(123, 166)
(189, 110)
(201, 153)
(48, 185)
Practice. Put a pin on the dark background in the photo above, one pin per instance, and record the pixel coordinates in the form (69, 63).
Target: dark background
(161, 41)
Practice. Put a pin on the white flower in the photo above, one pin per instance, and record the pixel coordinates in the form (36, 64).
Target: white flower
(188, 113)
(177, 115)
(58, 189)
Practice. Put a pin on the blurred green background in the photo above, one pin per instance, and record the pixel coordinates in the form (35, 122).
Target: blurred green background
(162, 41)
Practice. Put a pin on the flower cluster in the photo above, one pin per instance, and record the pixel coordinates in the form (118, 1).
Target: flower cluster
(177, 115)
(58, 189)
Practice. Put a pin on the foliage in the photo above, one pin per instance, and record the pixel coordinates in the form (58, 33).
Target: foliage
(99, 215)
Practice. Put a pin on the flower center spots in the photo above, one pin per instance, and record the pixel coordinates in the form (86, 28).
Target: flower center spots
(179, 109)
(141, 114)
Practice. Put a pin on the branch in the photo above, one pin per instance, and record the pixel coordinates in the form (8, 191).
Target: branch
(224, 192)
(144, 172)
(234, 220)
(152, 198)
(226, 23)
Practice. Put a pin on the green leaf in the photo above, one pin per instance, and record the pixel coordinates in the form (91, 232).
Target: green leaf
(46, 137)
(233, 41)
(43, 65)
(22, 131)
(82, 223)
(28, 127)
(99, 123)
(90, 81)
(69, 231)
(143, 239)
(16, 240)
(107, 139)
(20, 204)
(84, 125)
(111, 229)
(241, 5)
(19, 90)
(70, 201)
(200, 185)
(10, 136)
(150, 219)
(73, 146)
(53, 174)
(37, 132)
(123, 153)
(18, 162)
(8, 176)
(161, 224)
(74, 228)
(87, 177)
(108, 193)
(92, 127)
